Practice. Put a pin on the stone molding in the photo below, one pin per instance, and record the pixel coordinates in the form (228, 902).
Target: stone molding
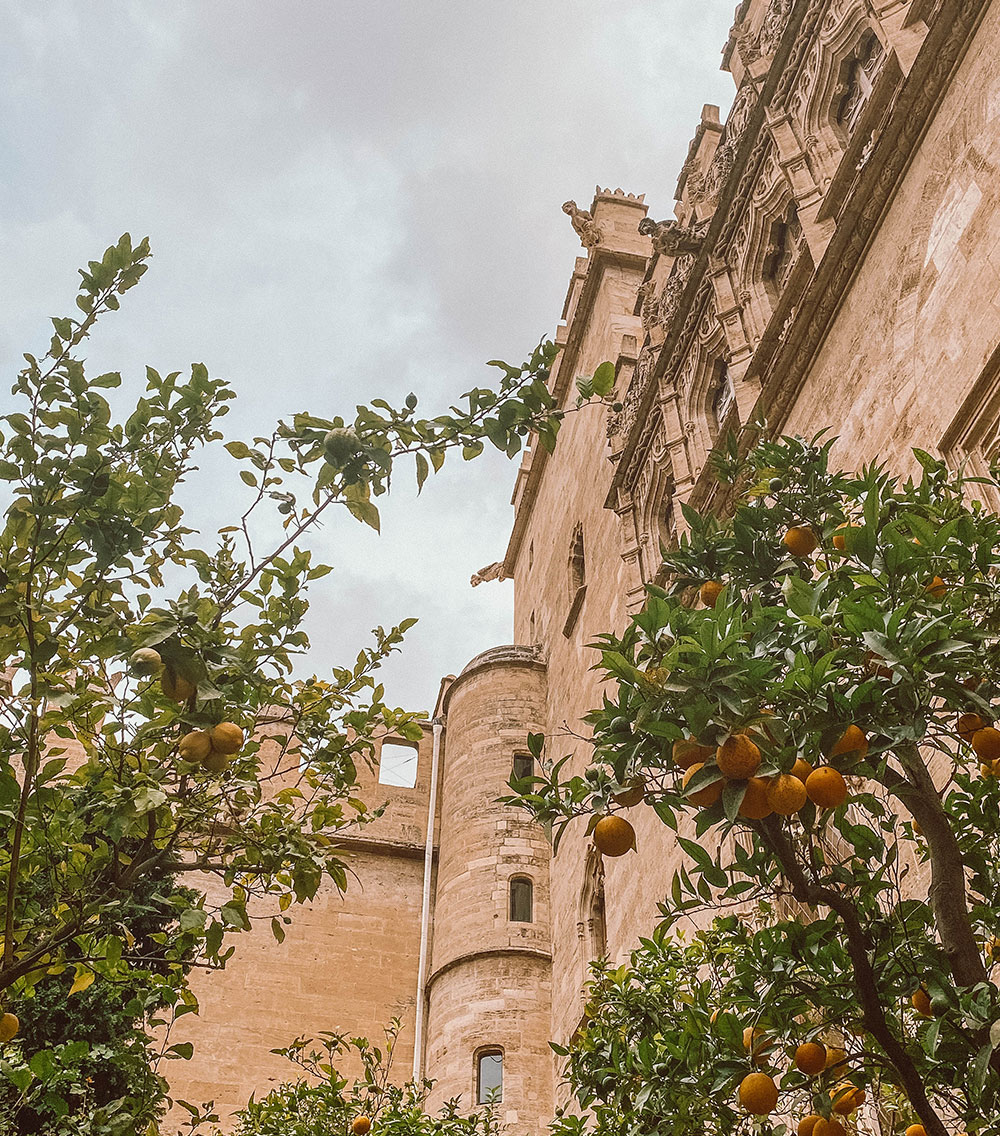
(492, 952)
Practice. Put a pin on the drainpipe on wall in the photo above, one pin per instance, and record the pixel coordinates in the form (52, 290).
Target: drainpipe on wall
(425, 909)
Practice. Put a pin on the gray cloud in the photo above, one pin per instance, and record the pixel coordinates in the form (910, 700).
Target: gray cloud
(344, 200)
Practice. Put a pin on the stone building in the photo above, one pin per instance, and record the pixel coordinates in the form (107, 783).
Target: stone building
(833, 261)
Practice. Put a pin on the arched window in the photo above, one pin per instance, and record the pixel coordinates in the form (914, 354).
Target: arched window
(780, 255)
(489, 1076)
(523, 765)
(521, 900)
(857, 81)
(723, 397)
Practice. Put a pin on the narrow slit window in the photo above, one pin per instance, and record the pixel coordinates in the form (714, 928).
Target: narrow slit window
(521, 900)
(397, 765)
(489, 1077)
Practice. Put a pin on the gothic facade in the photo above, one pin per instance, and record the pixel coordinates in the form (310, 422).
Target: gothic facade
(833, 261)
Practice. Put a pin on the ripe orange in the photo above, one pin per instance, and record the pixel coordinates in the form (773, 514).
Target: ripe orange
(916, 1130)
(227, 738)
(686, 751)
(9, 1025)
(709, 592)
(755, 804)
(936, 588)
(840, 537)
(829, 1127)
(738, 757)
(967, 725)
(705, 796)
(920, 1000)
(758, 1094)
(835, 1057)
(800, 541)
(807, 1124)
(846, 1098)
(175, 686)
(986, 743)
(786, 794)
(810, 1058)
(801, 769)
(613, 836)
(826, 787)
(755, 1040)
(361, 1126)
(852, 741)
(633, 795)
(195, 746)
(216, 762)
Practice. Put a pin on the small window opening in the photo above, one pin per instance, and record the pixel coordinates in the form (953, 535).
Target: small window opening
(532, 637)
(398, 765)
(857, 82)
(524, 765)
(521, 897)
(531, 553)
(489, 1077)
(723, 398)
(577, 563)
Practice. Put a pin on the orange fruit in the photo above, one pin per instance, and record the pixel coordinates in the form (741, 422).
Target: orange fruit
(801, 769)
(758, 1094)
(227, 738)
(686, 751)
(175, 686)
(216, 762)
(633, 795)
(709, 592)
(967, 725)
(755, 804)
(9, 1025)
(936, 588)
(846, 1098)
(986, 743)
(810, 1058)
(738, 757)
(807, 1124)
(800, 541)
(361, 1126)
(920, 1000)
(826, 787)
(840, 537)
(705, 796)
(786, 794)
(613, 836)
(835, 1057)
(195, 746)
(145, 662)
(852, 741)
(916, 1130)
(829, 1127)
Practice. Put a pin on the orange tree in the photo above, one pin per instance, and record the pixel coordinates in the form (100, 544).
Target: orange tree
(323, 1102)
(809, 703)
(151, 723)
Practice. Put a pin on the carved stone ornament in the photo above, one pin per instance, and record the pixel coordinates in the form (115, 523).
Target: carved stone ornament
(671, 238)
(622, 422)
(646, 294)
(584, 225)
(673, 289)
(774, 24)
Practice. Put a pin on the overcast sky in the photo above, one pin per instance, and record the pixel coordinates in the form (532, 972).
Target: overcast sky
(344, 200)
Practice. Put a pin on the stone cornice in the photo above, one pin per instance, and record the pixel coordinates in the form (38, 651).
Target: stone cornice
(494, 952)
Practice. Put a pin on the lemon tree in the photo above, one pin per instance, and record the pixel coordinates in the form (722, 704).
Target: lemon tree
(818, 728)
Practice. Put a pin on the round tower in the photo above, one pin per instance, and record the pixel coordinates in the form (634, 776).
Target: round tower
(489, 988)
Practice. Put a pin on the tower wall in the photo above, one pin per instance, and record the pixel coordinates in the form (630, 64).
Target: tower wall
(489, 981)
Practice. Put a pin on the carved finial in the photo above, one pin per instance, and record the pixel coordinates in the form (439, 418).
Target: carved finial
(583, 225)
(671, 238)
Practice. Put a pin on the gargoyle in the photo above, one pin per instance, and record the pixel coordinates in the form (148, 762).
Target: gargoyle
(671, 238)
(584, 225)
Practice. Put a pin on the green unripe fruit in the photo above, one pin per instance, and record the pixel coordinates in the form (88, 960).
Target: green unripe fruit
(340, 445)
(411, 401)
(620, 726)
(145, 662)
(775, 485)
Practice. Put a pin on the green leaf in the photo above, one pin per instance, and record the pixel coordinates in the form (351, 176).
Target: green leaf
(603, 382)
